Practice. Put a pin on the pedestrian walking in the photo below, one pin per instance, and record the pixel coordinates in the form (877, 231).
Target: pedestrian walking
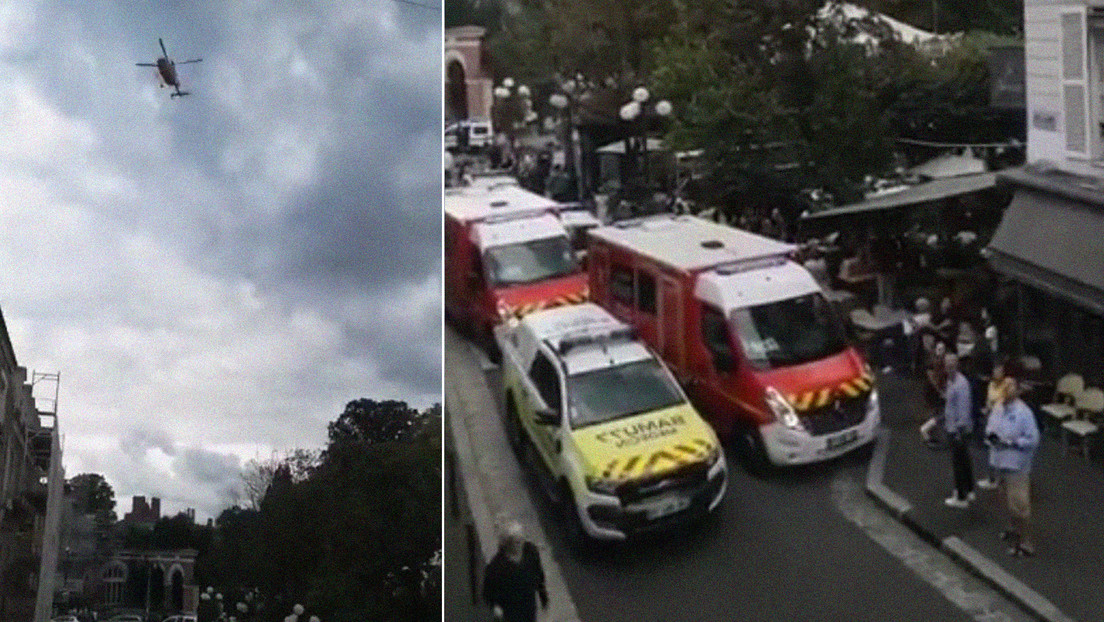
(1013, 437)
(958, 421)
(514, 579)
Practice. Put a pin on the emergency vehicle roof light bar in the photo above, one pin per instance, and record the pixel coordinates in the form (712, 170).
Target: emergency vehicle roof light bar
(584, 337)
(627, 223)
(500, 218)
(502, 184)
(752, 263)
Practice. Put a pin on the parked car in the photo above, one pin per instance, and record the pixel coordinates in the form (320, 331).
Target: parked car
(181, 617)
(65, 618)
(126, 617)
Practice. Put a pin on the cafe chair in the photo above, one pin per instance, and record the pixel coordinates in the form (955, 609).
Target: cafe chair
(1066, 394)
(1090, 411)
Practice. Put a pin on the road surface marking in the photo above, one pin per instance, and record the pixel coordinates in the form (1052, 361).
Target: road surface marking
(966, 592)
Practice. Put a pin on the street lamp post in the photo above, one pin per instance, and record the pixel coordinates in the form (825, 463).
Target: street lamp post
(565, 103)
(513, 109)
(636, 110)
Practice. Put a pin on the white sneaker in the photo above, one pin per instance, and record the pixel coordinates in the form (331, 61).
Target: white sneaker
(986, 484)
(971, 497)
(955, 502)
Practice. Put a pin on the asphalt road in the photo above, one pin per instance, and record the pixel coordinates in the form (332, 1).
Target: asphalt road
(801, 544)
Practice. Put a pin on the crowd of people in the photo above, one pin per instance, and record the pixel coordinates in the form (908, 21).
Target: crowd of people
(973, 399)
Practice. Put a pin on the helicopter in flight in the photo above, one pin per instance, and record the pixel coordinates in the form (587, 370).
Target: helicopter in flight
(166, 70)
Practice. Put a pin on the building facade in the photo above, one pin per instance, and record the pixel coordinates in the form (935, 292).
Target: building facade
(31, 488)
(468, 84)
(1049, 246)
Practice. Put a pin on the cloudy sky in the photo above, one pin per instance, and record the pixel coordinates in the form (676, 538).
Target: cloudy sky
(216, 276)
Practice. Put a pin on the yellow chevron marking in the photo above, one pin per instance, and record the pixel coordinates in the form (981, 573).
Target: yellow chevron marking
(650, 465)
(626, 471)
(689, 453)
(804, 401)
(823, 397)
(608, 472)
(850, 389)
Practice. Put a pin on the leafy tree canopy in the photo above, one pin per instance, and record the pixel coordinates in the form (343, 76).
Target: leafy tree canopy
(367, 421)
(92, 493)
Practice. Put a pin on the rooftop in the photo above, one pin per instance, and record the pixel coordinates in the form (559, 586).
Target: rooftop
(689, 243)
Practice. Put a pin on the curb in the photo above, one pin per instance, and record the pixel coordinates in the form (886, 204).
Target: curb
(964, 554)
(479, 495)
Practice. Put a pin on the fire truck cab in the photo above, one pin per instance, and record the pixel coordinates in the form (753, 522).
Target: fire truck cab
(507, 253)
(747, 331)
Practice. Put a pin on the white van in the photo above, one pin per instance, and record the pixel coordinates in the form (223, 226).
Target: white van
(469, 134)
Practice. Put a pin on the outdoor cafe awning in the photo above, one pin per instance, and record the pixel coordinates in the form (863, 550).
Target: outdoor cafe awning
(913, 195)
(1052, 243)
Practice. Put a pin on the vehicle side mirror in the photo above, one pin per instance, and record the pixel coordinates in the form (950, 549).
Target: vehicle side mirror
(546, 416)
(724, 361)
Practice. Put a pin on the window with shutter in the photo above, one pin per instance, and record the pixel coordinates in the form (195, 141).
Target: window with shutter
(1074, 81)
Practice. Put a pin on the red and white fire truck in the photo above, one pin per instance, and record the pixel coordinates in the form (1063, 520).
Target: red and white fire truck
(507, 253)
(746, 329)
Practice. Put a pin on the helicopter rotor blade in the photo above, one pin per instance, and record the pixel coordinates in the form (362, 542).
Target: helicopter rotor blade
(185, 62)
(163, 51)
(146, 64)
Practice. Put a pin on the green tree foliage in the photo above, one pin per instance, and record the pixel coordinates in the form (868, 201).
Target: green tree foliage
(367, 421)
(230, 559)
(597, 38)
(353, 538)
(946, 98)
(257, 475)
(92, 493)
(779, 99)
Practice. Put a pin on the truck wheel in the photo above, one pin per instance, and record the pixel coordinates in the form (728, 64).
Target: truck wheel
(490, 346)
(573, 527)
(753, 451)
(513, 425)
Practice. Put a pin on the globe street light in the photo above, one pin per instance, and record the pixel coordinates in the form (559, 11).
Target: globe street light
(563, 102)
(634, 110)
(513, 108)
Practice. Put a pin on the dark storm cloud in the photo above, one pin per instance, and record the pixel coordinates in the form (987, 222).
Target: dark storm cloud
(207, 467)
(135, 442)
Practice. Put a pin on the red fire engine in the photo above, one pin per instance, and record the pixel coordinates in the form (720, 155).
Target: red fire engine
(747, 330)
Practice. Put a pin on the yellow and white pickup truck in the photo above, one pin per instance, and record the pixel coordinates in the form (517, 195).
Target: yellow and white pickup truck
(605, 426)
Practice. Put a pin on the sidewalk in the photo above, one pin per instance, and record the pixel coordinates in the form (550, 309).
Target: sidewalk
(491, 482)
(1061, 582)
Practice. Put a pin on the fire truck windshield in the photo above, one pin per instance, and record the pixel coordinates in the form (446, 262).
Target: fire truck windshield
(529, 262)
(789, 332)
(620, 391)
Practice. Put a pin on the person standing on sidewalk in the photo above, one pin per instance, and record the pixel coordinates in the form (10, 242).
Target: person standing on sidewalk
(998, 392)
(514, 579)
(935, 387)
(1013, 437)
(958, 421)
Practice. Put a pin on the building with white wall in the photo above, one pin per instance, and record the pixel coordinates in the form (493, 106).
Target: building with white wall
(1050, 243)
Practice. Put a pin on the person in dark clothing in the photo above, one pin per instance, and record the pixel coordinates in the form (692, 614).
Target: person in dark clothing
(514, 579)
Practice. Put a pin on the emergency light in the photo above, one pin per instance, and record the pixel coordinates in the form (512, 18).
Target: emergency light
(589, 337)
